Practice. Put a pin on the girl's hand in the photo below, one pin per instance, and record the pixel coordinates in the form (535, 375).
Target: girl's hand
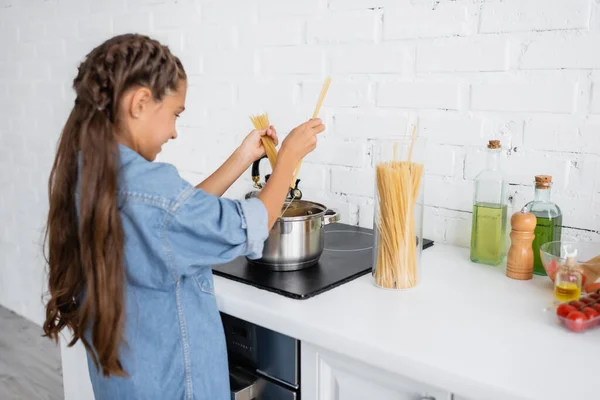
(301, 140)
(252, 148)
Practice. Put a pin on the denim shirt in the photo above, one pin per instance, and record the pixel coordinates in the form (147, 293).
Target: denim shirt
(174, 344)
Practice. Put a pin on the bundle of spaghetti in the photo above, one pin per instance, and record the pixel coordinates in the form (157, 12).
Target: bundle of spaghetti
(262, 122)
(324, 90)
(398, 185)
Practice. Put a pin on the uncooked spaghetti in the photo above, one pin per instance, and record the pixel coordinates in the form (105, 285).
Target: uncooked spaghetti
(398, 185)
(324, 90)
(262, 122)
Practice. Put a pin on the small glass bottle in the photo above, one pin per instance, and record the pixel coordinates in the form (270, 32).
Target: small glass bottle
(488, 232)
(567, 284)
(549, 219)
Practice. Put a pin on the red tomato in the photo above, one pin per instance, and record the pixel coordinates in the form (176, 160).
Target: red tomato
(577, 304)
(576, 321)
(552, 269)
(592, 314)
(586, 300)
(564, 309)
(595, 296)
(597, 307)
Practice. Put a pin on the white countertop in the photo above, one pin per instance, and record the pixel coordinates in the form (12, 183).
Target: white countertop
(467, 329)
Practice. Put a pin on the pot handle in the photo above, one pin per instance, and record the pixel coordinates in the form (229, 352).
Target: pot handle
(331, 216)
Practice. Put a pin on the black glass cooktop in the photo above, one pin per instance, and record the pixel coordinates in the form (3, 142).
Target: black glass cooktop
(346, 256)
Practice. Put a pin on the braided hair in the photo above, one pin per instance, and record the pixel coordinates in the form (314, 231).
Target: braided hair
(84, 234)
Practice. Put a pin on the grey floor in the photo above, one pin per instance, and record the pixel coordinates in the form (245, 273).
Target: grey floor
(29, 363)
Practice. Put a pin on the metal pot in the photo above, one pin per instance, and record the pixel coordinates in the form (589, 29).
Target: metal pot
(297, 239)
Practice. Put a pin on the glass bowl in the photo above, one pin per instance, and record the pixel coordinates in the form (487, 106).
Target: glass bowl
(588, 258)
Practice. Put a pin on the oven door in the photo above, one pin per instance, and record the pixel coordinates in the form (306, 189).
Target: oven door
(248, 386)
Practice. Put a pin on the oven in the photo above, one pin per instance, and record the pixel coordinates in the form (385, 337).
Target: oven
(263, 364)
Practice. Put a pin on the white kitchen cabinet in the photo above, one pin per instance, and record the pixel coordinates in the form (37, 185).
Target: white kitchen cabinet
(329, 376)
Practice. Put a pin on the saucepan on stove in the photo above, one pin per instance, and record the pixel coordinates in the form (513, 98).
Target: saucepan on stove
(297, 239)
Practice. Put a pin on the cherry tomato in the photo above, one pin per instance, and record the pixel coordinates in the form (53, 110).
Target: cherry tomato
(576, 321)
(597, 307)
(594, 302)
(577, 304)
(595, 296)
(592, 314)
(552, 269)
(586, 300)
(564, 309)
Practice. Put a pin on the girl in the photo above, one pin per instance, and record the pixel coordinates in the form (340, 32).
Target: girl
(130, 243)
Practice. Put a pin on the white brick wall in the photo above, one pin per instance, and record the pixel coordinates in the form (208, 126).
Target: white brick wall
(409, 21)
(371, 59)
(595, 106)
(469, 54)
(533, 15)
(428, 95)
(524, 71)
(549, 97)
(344, 27)
(555, 50)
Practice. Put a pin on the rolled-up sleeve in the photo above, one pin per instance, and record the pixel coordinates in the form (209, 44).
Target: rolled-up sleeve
(254, 221)
(207, 230)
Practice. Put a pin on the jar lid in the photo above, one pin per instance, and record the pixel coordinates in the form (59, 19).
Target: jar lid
(543, 181)
(494, 144)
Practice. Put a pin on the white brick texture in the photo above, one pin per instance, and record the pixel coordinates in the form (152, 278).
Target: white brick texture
(409, 21)
(551, 97)
(368, 59)
(343, 94)
(282, 32)
(552, 135)
(595, 106)
(561, 50)
(369, 125)
(533, 15)
(352, 181)
(526, 72)
(427, 95)
(343, 27)
(336, 152)
(292, 60)
(485, 53)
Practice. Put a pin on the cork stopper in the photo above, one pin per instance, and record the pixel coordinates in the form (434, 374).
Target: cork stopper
(494, 144)
(543, 181)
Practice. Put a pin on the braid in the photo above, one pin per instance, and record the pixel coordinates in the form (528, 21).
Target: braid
(120, 63)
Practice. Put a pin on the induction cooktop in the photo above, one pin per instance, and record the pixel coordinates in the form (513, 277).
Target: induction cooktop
(347, 255)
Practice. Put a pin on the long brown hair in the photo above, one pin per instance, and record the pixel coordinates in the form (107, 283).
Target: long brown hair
(85, 249)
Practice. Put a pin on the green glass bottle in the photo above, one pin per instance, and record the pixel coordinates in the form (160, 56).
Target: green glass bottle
(488, 231)
(549, 219)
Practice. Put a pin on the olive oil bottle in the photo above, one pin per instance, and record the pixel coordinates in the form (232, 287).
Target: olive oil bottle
(488, 231)
(489, 223)
(549, 219)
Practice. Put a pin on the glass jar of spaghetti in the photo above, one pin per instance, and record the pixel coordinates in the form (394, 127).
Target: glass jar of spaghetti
(398, 218)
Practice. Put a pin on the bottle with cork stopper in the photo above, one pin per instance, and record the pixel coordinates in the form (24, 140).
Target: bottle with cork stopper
(488, 231)
(549, 219)
(520, 255)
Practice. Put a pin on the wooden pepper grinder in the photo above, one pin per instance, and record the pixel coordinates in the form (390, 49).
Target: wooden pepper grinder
(520, 256)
